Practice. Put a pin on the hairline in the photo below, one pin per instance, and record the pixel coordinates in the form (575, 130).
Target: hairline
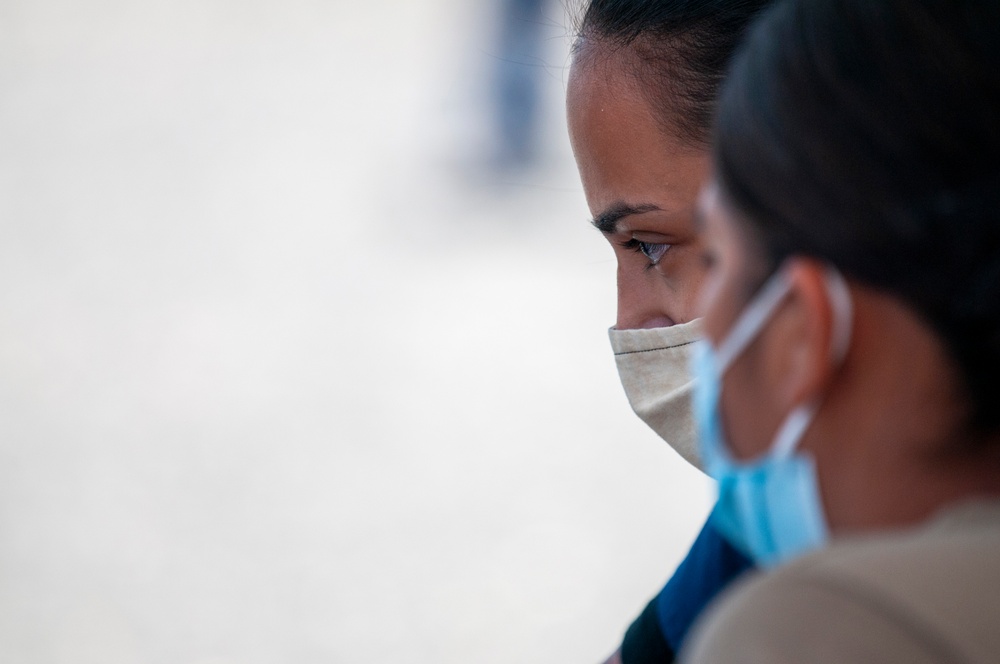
(591, 48)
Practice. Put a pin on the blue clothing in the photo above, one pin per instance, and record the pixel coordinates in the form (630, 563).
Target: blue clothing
(659, 632)
(710, 565)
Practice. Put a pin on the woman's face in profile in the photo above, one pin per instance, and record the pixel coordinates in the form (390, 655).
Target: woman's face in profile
(641, 185)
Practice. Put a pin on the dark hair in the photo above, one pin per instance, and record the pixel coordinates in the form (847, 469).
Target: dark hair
(867, 133)
(682, 49)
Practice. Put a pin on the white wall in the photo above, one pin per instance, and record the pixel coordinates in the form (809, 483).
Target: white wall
(282, 378)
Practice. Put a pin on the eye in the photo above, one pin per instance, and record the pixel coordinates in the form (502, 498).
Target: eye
(654, 252)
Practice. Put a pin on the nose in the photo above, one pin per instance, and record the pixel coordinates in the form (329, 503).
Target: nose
(644, 301)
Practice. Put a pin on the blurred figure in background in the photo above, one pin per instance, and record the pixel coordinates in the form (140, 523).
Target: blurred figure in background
(846, 390)
(641, 96)
(518, 72)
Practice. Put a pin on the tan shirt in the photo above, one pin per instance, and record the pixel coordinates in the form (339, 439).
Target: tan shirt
(931, 594)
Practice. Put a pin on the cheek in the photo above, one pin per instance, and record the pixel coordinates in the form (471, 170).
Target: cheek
(748, 416)
(685, 274)
(710, 304)
(632, 276)
(720, 300)
(644, 296)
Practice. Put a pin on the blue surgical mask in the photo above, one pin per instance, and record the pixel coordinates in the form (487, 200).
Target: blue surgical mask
(769, 507)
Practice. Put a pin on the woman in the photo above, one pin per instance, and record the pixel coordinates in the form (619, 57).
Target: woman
(641, 95)
(846, 397)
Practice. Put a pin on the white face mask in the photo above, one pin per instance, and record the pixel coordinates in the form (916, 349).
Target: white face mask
(655, 369)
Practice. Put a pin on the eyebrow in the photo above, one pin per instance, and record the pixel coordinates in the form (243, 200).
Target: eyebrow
(607, 221)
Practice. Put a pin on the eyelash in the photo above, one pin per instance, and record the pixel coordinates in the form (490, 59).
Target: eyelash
(643, 248)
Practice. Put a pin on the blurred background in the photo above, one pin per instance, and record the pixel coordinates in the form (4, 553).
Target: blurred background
(303, 351)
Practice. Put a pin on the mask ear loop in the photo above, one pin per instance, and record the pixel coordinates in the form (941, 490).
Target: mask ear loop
(798, 421)
(843, 313)
(754, 318)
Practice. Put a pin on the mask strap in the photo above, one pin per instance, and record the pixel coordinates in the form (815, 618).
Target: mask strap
(798, 420)
(843, 313)
(754, 317)
(792, 429)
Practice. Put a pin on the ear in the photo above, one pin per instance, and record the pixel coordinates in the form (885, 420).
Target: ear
(800, 345)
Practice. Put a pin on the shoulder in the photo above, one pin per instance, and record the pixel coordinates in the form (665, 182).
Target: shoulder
(929, 595)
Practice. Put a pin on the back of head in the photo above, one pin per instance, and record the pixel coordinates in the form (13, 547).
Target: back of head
(867, 133)
(681, 49)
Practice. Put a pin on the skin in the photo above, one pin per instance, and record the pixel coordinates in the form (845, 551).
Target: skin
(888, 438)
(641, 184)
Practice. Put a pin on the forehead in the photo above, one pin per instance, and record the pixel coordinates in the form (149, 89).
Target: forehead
(622, 144)
(604, 101)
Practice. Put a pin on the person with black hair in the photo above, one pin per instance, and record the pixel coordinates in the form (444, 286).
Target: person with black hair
(641, 97)
(846, 389)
